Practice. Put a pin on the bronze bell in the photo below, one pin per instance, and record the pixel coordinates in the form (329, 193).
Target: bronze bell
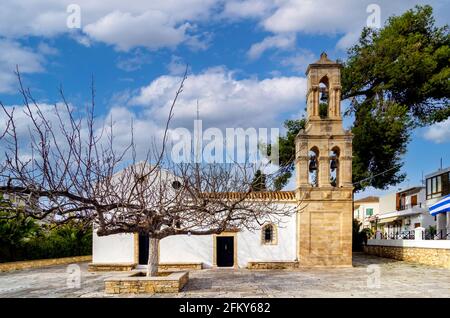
(324, 96)
(333, 164)
(312, 164)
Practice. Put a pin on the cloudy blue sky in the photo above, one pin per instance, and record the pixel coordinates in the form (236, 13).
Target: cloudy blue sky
(247, 60)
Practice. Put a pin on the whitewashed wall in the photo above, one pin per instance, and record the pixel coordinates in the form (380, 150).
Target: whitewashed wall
(445, 244)
(184, 248)
(388, 203)
(360, 212)
(250, 247)
(193, 248)
(117, 248)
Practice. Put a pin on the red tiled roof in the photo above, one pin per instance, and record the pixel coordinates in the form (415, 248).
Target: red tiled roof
(263, 195)
(368, 199)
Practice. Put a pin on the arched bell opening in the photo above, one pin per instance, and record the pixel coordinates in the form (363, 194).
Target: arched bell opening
(313, 167)
(334, 166)
(324, 97)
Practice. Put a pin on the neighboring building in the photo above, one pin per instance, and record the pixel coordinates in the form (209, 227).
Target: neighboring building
(403, 211)
(366, 210)
(437, 187)
(319, 234)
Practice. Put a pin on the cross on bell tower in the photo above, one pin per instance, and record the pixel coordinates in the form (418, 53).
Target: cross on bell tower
(324, 172)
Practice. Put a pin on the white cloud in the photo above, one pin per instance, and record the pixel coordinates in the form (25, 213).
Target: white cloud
(146, 131)
(439, 133)
(224, 100)
(13, 54)
(300, 61)
(283, 42)
(247, 8)
(156, 24)
(151, 29)
(151, 24)
(133, 62)
(46, 49)
(176, 66)
(346, 17)
(25, 127)
(318, 16)
(348, 40)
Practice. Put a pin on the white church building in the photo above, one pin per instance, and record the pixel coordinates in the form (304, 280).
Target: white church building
(320, 234)
(273, 242)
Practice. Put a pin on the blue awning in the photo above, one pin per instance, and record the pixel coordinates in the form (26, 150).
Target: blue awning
(441, 206)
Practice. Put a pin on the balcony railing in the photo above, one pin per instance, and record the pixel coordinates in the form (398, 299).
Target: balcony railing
(409, 206)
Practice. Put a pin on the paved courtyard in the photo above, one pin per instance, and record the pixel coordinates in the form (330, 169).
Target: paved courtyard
(397, 279)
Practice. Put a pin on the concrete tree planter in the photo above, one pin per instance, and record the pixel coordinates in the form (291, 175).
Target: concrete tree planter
(138, 283)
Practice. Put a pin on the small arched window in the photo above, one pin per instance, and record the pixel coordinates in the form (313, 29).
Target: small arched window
(269, 234)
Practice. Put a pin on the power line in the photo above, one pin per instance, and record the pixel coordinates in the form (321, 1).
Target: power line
(371, 177)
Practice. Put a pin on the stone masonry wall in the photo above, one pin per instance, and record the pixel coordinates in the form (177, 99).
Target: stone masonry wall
(172, 283)
(11, 266)
(428, 256)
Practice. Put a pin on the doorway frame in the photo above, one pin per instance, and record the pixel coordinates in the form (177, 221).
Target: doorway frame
(235, 245)
(136, 250)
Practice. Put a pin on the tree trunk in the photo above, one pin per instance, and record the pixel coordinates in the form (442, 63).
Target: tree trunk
(153, 249)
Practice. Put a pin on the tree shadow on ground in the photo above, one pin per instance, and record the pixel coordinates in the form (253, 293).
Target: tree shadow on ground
(360, 259)
(198, 284)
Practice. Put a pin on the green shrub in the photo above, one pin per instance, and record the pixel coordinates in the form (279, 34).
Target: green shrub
(71, 239)
(360, 236)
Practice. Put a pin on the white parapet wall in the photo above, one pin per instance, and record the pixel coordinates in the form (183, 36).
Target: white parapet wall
(443, 244)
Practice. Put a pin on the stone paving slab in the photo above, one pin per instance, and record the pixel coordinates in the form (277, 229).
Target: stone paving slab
(397, 279)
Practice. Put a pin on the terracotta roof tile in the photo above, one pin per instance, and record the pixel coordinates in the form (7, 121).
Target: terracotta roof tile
(263, 195)
(368, 199)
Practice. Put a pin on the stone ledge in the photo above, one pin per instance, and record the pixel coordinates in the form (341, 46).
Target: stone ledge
(126, 267)
(11, 266)
(116, 267)
(273, 265)
(181, 266)
(171, 282)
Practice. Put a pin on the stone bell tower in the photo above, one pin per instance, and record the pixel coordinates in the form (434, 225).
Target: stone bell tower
(324, 172)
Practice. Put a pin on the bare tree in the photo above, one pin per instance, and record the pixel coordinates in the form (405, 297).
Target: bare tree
(69, 168)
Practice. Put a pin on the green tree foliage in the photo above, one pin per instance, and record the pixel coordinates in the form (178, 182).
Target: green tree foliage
(71, 239)
(396, 78)
(323, 110)
(405, 63)
(22, 238)
(259, 181)
(286, 146)
(380, 139)
(14, 233)
(360, 236)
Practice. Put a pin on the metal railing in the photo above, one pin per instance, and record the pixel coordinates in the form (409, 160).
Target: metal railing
(435, 235)
(403, 235)
(411, 235)
(409, 206)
